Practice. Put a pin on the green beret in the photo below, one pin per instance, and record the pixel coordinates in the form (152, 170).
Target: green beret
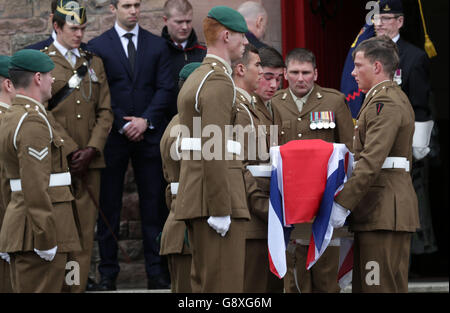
(32, 61)
(229, 18)
(4, 65)
(188, 69)
(71, 11)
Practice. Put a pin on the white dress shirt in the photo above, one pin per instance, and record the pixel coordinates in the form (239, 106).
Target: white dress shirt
(121, 32)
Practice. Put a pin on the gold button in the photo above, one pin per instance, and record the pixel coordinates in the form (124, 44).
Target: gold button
(74, 72)
(78, 101)
(78, 87)
(282, 132)
(299, 135)
(78, 116)
(299, 118)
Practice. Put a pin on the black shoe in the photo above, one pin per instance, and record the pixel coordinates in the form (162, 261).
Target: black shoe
(91, 285)
(157, 282)
(107, 284)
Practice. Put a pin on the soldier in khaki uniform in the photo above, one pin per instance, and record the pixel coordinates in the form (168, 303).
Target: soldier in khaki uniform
(380, 193)
(251, 133)
(174, 241)
(7, 94)
(273, 69)
(39, 227)
(211, 195)
(298, 112)
(80, 104)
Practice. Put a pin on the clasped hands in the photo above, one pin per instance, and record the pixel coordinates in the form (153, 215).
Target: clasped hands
(135, 128)
(80, 159)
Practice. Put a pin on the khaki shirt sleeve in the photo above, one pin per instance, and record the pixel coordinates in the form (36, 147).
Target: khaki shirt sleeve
(216, 101)
(380, 134)
(34, 152)
(103, 112)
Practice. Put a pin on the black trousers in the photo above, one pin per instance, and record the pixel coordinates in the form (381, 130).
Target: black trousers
(147, 166)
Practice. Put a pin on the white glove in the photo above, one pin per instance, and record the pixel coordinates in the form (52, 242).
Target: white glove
(421, 139)
(420, 152)
(5, 256)
(338, 215)
(220, 224)
(47, 255)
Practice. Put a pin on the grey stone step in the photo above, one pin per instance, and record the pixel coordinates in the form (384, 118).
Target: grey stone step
(413, 287)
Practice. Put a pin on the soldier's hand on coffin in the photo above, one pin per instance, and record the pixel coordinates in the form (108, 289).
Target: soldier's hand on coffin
(81, 159)
(338, 215)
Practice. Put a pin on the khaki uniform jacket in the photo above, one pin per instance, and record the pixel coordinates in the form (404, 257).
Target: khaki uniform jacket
(172, 238)
(266, 118)
(382, 199)
(38, 216)
(209, 187)
(4, 184)
(254, 139)
(293, 125)
(87, 120)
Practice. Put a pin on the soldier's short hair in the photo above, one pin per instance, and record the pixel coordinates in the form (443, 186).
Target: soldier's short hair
(183, 6)
(270, 57)
(211, 30)
(301, 55)
(246, 55)
(20, 78)
(381, 49)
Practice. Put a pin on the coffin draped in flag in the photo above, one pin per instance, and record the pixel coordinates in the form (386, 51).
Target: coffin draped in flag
(306, 175)
(349, 87)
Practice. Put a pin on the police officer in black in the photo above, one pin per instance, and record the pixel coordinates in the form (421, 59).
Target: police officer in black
(413, 76)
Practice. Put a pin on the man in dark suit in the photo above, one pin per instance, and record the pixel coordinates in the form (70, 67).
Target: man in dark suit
(137, 65)
(413, 76)
(256, 18)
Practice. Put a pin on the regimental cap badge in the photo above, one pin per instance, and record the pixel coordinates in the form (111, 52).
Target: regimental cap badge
(72, 11)
(387, 8)
(319, 95)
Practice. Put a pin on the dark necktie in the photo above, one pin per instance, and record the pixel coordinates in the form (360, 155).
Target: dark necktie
(131, 50)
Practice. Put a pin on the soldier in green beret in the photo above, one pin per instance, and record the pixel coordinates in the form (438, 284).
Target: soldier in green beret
(211, 196)
(174, 241)
(39, 228)
(7, 94)
(80, 103)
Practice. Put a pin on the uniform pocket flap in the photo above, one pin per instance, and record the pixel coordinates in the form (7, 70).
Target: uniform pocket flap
(60, 194)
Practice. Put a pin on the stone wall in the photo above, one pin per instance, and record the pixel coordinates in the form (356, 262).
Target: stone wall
(23, 22)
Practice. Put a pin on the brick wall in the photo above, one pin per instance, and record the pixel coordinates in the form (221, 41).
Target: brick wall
(23, 22)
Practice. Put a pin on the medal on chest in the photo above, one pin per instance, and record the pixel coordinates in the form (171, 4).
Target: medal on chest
(322, 120)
